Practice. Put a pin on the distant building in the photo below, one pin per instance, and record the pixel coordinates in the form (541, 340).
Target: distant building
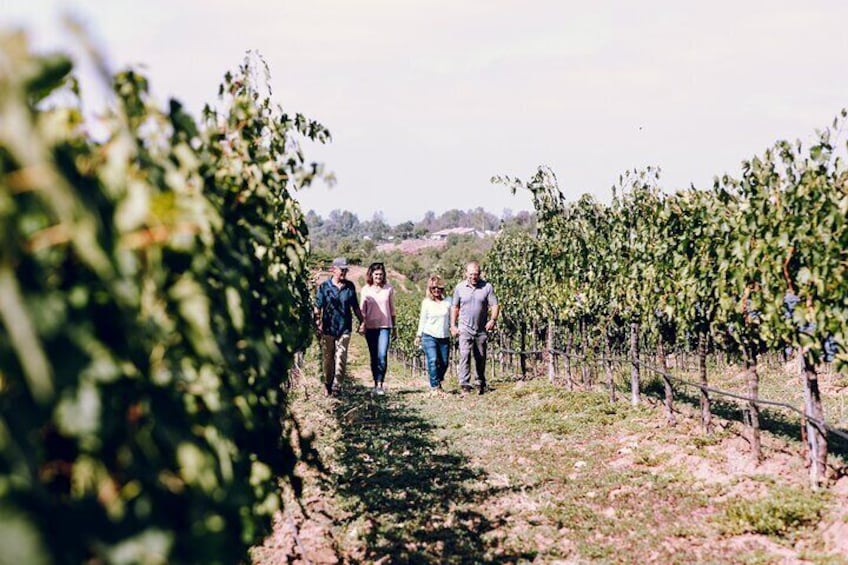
(445, 233)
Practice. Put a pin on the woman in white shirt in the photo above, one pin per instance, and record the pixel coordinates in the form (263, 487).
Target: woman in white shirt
(378, 321)
(433, 334)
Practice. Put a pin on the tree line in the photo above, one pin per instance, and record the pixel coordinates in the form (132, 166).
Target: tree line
(343, 233)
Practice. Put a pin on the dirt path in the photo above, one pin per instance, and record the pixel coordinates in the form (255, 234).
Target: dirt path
(534, 473)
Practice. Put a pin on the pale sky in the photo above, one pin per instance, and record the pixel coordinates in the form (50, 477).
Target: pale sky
(427, 100)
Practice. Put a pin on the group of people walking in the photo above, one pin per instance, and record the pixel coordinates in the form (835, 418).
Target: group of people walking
(469, 315)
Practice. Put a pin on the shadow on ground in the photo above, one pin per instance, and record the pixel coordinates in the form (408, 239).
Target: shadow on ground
(414, 499)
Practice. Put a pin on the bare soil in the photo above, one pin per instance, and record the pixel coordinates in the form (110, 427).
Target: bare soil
(533, 473)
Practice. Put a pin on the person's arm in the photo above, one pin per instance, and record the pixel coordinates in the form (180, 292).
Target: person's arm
(357, 311)
(494, 311)
(420, 331)
(494, 308)
(454, 315)
(318, 312)
(363, 308)
(392, 312)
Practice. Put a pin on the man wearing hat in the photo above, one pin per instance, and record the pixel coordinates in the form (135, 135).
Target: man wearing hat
(335, 305)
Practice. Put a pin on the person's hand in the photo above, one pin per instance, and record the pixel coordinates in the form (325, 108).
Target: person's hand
(417, 341)
(454, 331)
(318, 330)
(361, 328)
(490, 325)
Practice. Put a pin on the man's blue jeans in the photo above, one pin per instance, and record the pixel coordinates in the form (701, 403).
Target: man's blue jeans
(437, 353)
(378, 347)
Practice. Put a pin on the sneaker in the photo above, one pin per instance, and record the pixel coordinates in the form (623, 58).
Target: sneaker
(380, 390)
(464, 390)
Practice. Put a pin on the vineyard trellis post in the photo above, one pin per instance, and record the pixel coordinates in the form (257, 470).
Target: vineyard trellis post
(585, 370)
(549, 350)
(608, 366)
(816, 435)
(569, 348)
(752, 381)
(706, 413)
(669, 391)
(635, 393)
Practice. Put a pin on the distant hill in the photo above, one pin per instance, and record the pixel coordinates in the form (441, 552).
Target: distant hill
(356, 274)
(412, 246)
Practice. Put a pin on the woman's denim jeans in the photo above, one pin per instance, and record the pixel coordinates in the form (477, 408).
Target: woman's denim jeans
(378, 347)
(437, 352)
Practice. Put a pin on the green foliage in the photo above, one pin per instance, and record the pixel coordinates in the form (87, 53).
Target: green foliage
(153, 288)
(792, 242)
(754, 263)
(512, 268)
(408, 308)
(784, 510)
(759, 263)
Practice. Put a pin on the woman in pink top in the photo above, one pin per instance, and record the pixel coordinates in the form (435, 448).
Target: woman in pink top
(378, 312)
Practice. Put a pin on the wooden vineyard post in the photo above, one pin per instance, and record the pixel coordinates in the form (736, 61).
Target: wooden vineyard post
(816, 434)
(549, 351)
(752, 379)
(635, 394)
(669, 391)
(706, 413)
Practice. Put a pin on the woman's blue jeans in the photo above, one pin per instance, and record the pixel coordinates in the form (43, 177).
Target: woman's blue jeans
(437, 353)
(378, 347)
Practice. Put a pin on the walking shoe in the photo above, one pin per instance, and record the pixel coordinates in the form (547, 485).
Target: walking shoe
(380, 390)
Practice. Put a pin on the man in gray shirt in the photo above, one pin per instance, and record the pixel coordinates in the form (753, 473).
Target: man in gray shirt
(473, 314)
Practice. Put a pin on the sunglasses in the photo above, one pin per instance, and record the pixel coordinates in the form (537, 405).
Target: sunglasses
(437, 288)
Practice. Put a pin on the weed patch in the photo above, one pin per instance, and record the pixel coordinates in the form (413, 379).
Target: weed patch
(782, 510)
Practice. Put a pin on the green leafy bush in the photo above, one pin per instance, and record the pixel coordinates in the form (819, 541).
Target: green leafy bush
(153, 291)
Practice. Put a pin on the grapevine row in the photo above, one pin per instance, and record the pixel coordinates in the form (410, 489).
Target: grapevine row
(153, 290)
(754, 264)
